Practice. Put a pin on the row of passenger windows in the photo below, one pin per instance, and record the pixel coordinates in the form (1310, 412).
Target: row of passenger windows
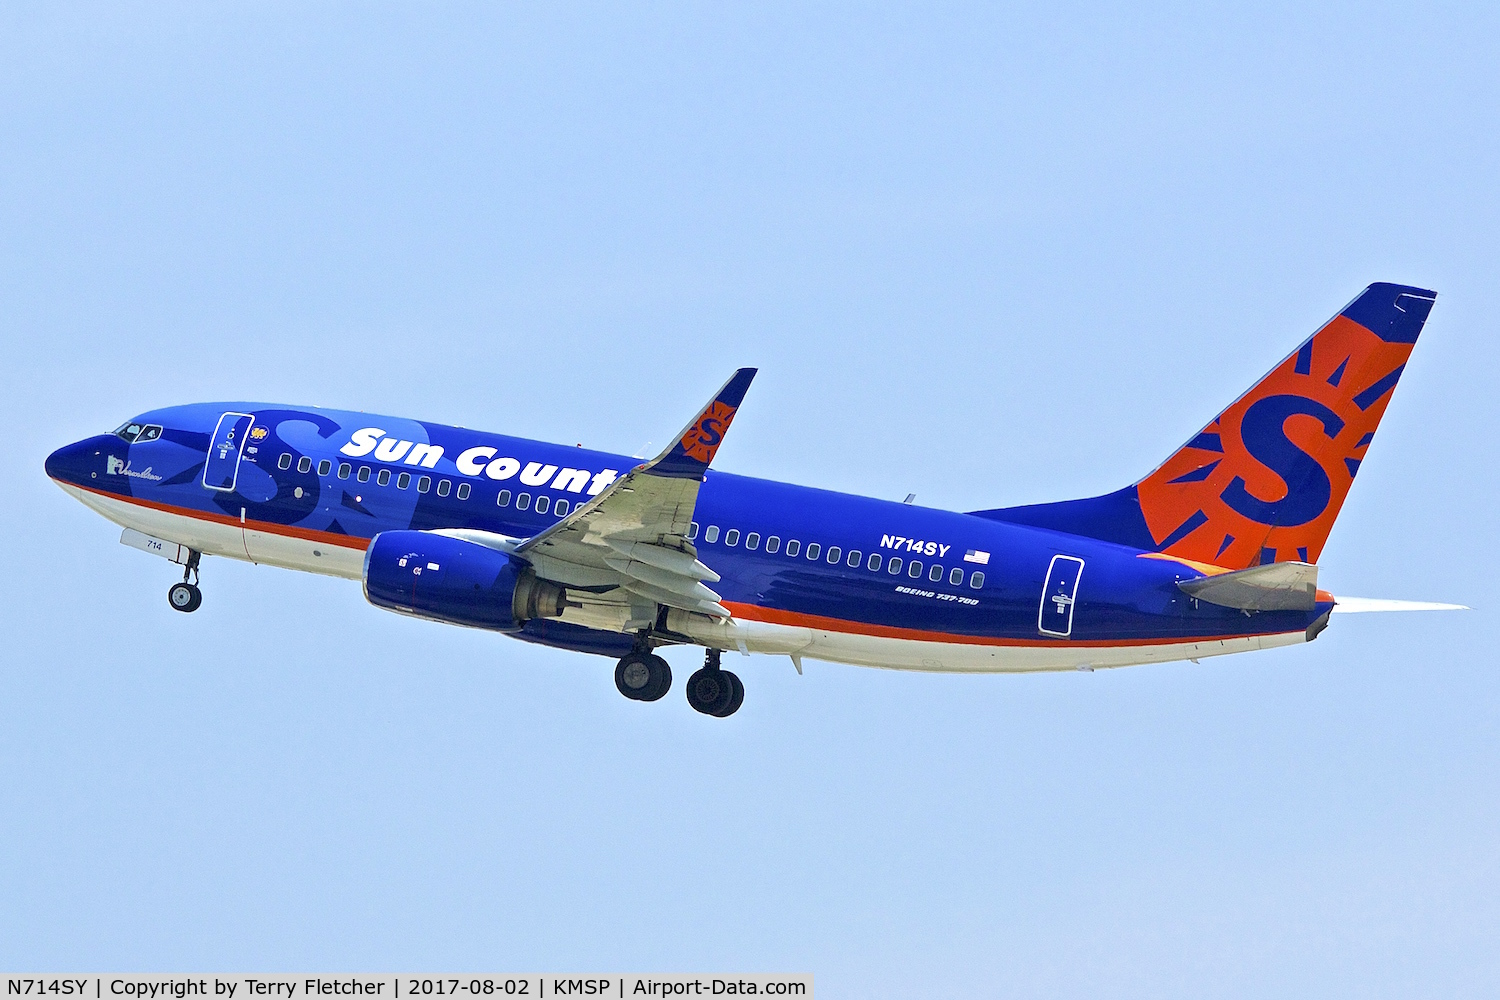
(559, 508)
(893, 565)
(382, 478)
(424, 484)
(915, 569)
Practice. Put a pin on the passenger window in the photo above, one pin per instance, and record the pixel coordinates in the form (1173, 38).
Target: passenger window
(692, 531)
(523, 501)
(304, 464)
(345, 469)
(976, 580)
(894, 566)
(542, 503)
(854, 558)
(935, 574)
(502, 499)
(874, 563)
(833, 555)
(444, 487)
(463, 491)
(364, 474)
(813, 548)
(752, 541)
(324, 467)
(561, 510)
(773, 545)
(956, 577)
(914, 569)
(284, 462)
(403, 480)
(793, 547)
(712, 534)
(384, 478)
(732, 537)
(424, 484)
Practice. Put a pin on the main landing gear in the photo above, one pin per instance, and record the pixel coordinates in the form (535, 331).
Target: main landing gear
(643, 676)
(713, 691)
(186, 596)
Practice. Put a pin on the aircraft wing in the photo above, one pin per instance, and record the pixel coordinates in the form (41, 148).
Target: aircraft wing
(633, 536)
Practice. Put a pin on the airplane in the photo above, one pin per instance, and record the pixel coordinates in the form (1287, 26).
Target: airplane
(1214, 552)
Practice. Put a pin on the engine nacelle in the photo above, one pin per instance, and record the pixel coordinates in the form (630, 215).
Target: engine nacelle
(450, 580)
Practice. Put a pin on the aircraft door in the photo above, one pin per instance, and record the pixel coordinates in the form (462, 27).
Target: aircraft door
(222, 467)
(1058, 595)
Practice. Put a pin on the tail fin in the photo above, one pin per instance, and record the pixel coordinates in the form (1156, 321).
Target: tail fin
(1265, 479)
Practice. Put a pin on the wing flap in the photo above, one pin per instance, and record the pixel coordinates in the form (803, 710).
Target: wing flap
(675, 583)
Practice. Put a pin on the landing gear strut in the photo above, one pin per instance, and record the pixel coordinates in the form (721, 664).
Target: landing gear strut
(643, 676)
(186, 596)
(714, 691)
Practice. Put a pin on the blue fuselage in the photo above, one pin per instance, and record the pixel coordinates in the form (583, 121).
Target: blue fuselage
(785, 553)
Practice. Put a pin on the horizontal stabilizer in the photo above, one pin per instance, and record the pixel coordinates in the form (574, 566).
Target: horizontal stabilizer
(1359, 605)
(1283, 586)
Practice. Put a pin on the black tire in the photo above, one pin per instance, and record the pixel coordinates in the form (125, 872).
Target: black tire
(643, 676)
(737, 699)
(633, 676)
(661, 679)
(710, 691)
(184, 597)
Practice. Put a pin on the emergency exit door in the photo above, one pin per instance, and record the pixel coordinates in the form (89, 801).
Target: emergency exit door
(223, 465)
(1059, 595)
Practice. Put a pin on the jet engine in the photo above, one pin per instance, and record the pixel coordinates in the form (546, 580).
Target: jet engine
(447, 579)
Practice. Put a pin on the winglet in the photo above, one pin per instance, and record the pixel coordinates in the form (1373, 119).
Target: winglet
(693, 451)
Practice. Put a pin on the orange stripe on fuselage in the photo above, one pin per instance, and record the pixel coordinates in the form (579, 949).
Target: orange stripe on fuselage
(776, 616)
(750, 612)
(265, 527)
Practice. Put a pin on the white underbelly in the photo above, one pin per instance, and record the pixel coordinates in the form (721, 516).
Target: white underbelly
(241, 542)
(922, 654)
(232, 540)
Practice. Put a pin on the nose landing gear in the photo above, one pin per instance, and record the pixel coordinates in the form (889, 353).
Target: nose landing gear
(714, 691)
(186, 596)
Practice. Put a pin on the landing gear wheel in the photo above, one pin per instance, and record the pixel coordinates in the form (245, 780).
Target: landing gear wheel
(715, 692)
(184, 597)
(643, 676)
(739, 694)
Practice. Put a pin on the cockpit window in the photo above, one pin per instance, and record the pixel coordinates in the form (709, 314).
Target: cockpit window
(138, 433)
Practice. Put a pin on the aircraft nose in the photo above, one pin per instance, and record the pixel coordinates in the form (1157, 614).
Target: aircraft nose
(81, 462)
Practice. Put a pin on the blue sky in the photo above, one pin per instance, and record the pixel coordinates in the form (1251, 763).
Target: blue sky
(981, 255)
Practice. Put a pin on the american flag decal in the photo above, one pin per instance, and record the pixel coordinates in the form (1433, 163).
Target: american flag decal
(977, 556)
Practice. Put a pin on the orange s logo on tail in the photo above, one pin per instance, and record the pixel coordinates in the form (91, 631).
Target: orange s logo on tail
(1264, 481)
